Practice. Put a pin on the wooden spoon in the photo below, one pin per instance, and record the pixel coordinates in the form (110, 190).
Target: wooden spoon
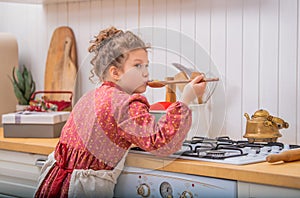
(158, 84)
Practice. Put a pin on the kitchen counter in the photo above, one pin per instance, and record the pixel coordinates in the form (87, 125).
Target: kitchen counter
(43, 146)
(278, 174)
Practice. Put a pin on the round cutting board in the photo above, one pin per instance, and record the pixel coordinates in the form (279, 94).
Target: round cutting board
(61, 64)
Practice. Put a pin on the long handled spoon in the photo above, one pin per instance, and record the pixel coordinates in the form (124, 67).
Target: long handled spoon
(157, 83)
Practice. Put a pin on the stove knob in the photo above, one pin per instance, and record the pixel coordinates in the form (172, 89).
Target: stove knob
(186, 194)
(143, 190)
(166, 190)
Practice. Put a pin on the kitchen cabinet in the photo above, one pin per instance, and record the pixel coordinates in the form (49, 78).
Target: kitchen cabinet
(19, 173)
(246, 190)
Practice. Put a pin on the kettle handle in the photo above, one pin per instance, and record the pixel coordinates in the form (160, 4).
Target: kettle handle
(247, 116)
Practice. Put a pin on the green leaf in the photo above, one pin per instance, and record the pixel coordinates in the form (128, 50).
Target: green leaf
(27, 77)
(21, 81)
(18, 93)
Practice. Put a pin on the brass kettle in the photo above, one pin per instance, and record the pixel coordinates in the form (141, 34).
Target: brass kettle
(263, 127)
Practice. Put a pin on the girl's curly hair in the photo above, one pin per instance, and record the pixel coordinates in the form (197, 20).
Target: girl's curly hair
(111, 47)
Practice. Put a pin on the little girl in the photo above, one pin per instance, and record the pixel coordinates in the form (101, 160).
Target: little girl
(105, 122)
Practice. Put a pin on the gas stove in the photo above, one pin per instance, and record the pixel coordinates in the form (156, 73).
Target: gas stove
(225, 150)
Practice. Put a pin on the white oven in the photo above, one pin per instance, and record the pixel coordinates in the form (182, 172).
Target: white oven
(138, 182)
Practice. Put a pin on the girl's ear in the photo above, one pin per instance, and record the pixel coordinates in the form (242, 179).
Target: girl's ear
(114, 73)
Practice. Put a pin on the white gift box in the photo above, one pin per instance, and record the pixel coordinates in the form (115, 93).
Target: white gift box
(30, 124)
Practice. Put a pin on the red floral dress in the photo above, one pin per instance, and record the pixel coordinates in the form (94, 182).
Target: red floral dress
(101, 128)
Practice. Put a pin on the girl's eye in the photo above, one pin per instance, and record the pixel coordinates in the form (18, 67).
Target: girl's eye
(141, 65)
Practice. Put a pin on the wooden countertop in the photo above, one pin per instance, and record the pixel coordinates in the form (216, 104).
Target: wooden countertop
(278, 174)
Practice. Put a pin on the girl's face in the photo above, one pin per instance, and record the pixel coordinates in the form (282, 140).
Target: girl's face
(135, 75)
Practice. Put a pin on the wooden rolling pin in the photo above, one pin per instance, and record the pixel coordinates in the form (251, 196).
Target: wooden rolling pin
(286, 156)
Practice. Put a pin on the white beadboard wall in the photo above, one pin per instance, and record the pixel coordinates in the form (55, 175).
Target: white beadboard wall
(253, 43)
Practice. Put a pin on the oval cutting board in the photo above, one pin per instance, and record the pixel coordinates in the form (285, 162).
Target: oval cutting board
(61, 64)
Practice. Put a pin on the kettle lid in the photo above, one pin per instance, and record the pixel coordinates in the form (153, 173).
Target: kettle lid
(261, 113)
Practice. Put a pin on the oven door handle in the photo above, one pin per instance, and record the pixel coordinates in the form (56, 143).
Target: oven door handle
(40, 162)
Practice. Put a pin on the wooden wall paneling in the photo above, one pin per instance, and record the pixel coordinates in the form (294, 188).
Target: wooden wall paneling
(52, 20)
(203, 61)
(51, 24)
(40, 55)
(269, 35)
(173, 25)
(298, 79)
(32, 45)
(251, 16)
(132, 14)
(146, 34)
(73, 22)
(107, 14)
(26, 36)
(73, 17)
(288, 68)
(187, 29)
(234, 67)
(146, 13)
(159, 46)
(218, 56)
(202, 35)
(5, 11)
(18, 26)
(82, 40)
(95, 18)
(173, 37)
(62, 12)
(120, 14)
(105, 11)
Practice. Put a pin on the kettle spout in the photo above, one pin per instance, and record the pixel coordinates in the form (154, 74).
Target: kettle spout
(247, 116)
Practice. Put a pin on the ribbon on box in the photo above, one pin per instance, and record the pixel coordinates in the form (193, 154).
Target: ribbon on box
(18, 118)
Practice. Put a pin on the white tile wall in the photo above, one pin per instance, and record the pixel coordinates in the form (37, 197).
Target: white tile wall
(253, 44)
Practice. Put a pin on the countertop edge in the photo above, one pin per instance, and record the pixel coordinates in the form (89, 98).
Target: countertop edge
(245, 173)
(26, 148)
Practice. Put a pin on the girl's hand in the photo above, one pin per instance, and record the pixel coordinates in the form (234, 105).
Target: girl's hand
(193, 90)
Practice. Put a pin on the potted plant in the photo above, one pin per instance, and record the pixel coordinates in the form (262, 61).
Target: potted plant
(24, 86)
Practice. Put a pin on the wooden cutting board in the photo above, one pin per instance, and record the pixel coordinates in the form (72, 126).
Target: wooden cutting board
(61, 64)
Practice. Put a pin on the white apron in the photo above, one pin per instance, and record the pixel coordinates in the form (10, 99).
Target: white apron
(88, 183)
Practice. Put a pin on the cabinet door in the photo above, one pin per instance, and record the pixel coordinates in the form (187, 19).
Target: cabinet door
(246, 190)
(19, 173)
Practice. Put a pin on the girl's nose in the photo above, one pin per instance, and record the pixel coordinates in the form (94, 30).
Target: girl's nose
(145, 72)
